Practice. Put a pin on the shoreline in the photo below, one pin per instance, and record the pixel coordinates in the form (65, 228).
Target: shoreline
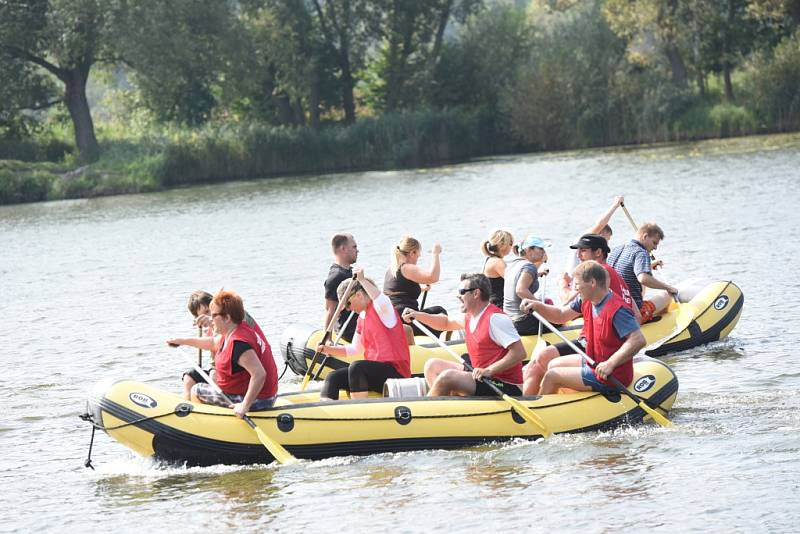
(28, 182)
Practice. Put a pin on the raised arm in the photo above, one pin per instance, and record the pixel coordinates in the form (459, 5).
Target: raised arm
(601, 223)
(417, 274)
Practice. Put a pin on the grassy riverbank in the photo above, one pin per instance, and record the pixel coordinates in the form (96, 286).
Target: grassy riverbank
(143, 163)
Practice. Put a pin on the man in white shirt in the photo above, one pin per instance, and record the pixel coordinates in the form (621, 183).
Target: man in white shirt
(494, 346)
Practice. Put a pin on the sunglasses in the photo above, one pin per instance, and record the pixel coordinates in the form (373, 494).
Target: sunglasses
(464, 290)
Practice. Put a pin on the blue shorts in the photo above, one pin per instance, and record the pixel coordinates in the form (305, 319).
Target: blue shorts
(589, 379)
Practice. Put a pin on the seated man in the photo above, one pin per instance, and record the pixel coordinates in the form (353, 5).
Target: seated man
(243, 364)
(589, 247)
(632, 262)
(493, 343)
(612, 335)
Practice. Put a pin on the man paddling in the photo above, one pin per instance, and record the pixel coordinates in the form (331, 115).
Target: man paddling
(345, 254)
(632, 262)
(494, 346)
(612, 335)
(589, 247)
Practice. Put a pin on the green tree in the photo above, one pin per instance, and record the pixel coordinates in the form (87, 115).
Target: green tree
(412, 34)
(65, 38)
(180, 52)
(23, 89)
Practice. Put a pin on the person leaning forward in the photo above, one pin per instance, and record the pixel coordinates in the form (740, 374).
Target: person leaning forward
(494, 346)
(612, 335)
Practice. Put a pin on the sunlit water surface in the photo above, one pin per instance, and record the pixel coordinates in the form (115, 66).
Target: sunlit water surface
(92, 288)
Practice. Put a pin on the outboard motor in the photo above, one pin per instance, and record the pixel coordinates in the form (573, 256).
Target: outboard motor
(294, 347)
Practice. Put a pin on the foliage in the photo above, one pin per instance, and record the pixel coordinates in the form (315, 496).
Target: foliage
(772, 81)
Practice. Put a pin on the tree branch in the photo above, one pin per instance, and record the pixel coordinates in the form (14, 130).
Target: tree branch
(27, 56)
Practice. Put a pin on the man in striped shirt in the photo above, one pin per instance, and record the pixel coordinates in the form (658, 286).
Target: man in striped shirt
(633, 262)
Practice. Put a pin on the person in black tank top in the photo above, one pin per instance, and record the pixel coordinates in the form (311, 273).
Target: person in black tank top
(402, 281)
(495, 249)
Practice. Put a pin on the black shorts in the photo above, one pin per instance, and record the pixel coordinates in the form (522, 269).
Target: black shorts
(194, 375)
(564, 349)
(483, 390)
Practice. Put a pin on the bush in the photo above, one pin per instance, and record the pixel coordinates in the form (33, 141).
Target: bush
(17, 187)
(394, 140)
(771, 83)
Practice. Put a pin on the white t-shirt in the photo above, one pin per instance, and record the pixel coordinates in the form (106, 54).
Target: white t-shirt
(501, 329)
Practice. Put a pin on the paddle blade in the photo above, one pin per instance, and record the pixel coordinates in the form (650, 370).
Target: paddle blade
(657, 417)
(275, 449)
(306, 378)
(527, 414)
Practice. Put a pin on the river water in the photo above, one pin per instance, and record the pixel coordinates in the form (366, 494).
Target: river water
(92, 288)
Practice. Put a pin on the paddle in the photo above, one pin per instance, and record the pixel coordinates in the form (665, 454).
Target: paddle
(275, 449)
(541, 344)
(328, 328)
(652, 256)
(424, 296)
(200, 351)
(335, 341)
(660, 419)
(520, 408)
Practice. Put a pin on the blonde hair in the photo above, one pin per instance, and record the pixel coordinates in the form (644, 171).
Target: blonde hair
(491, 247)
(406, 246)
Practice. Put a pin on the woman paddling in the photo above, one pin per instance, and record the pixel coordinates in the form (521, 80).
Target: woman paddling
(522, 281)
(495, 249)
(402, 281)
(379, 336)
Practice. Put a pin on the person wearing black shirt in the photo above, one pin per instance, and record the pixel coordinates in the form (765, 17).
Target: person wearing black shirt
(345, 253)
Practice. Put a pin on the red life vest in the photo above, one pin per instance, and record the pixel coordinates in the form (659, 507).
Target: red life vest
(618, 285)
(602, 340)
(236, 382)
(383, 344)
(482, 349)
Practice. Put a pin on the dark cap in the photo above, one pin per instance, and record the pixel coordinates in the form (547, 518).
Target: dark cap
(592, 241)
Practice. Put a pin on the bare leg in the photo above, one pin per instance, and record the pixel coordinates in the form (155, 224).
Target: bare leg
(359, 394)
(434, 367)
(563, 372)
(188, 382)
(535, 370)
(453, 382)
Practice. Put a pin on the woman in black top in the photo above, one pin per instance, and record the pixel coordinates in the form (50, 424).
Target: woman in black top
(495, 249)
(402, 281)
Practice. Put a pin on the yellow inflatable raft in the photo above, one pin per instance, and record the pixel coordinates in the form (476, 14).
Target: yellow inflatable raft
(709, 314)
(160, 424)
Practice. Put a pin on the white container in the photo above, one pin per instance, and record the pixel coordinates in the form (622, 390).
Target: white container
(405, 387)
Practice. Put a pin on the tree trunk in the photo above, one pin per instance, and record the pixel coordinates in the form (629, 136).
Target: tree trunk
(348, 101)
(679, 77)
(78, 106)
(726, 76)
(313, 102)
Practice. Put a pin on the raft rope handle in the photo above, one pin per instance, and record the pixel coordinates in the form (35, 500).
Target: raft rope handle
(88, 417)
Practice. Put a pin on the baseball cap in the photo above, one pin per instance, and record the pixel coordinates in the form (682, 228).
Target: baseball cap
(592, 241)
(532, 241)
